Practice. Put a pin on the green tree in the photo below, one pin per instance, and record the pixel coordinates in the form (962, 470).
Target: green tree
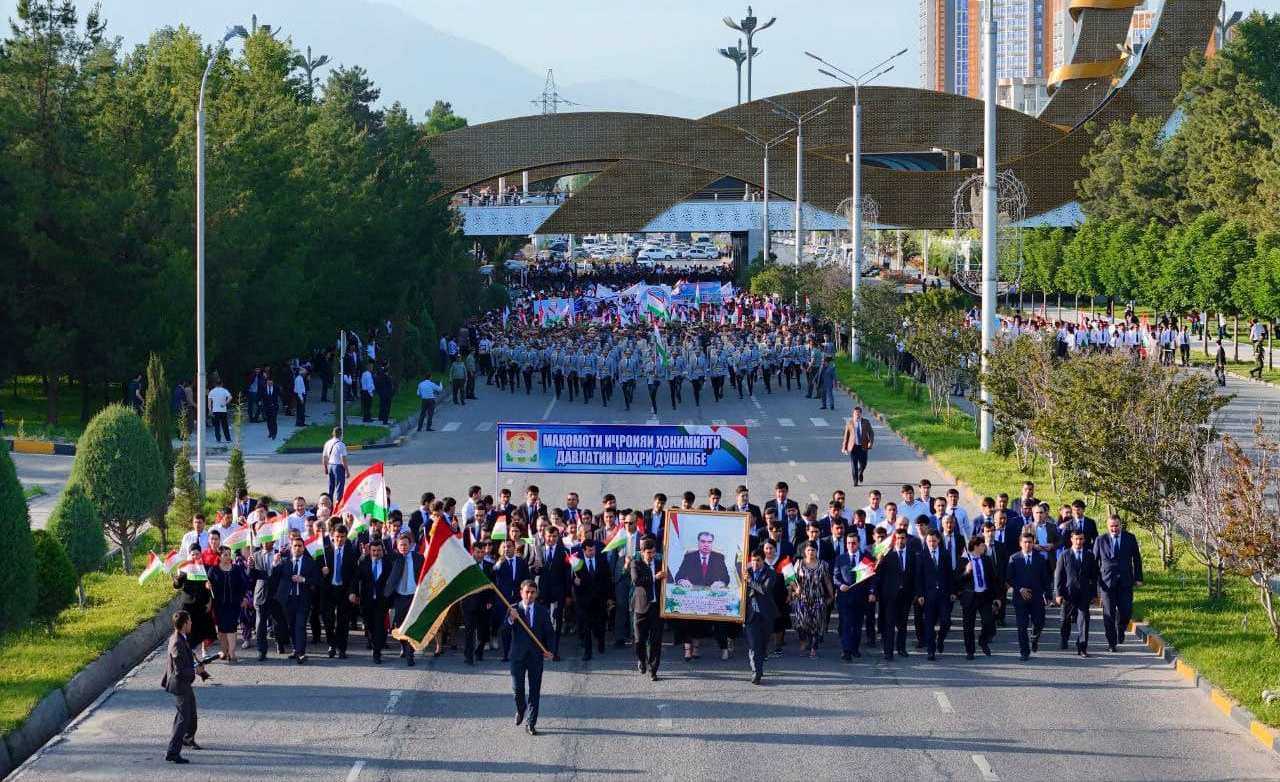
(442, 119)
(1222, 258)
(941, 341)
(155, 414)
(1081, 258)
(76, 525)
(877, 321)
(17, 570)
(236, 478)
(118, 467)
(186, 501)
(55, 577)
(1131, 174)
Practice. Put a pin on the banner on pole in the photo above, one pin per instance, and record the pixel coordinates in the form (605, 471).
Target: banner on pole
(632, 450)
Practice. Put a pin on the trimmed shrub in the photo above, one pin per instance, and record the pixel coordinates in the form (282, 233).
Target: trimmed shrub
(17, 559)
(75, 524)
(55, 577)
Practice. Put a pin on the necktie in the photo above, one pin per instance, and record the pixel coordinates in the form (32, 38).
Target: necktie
(653, 590)
(902, 557)
(935, 558)
(297, 571)
(704, 568)
(513, 570)
(1115, 545)
(529, 613)
(337, 568)
(377, 569)
(1077, 557)
(977, 574)
(547, 557)
(591, 566)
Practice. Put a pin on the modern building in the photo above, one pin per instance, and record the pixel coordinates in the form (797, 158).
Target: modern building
(951, 49)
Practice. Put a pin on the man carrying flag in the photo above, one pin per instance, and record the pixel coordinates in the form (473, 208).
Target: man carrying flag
(760, 581)
(660, 345)
(855, 593)
(365, 499)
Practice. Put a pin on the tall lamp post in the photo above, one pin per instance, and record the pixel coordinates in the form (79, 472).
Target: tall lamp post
(989, 240)
(738, 55)
(749, 26)
(855, 162)
(764, 146)
(236, 31)
(800, 119)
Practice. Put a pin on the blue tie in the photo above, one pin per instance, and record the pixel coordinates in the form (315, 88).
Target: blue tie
(337, 568)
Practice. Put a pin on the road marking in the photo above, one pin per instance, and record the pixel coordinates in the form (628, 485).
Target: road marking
(719, 421)
(818, 421)
(751, 422)
(393, 698)
(984, 768)
(452, 426)
(586, 423)
(484, 426)
(791, 462)
(664, 714)
(943, 702)
(354, 773)
(786, 422)
(801, 478)
(784, 448)
(547, 413)
(651, 421)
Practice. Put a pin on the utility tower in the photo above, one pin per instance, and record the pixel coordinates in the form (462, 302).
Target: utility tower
(550, 99)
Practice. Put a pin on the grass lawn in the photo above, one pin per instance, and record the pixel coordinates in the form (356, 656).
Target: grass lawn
(1229, 641)
(26, 408)
(31, 492)
(1239, 368)
(316, 435)
(35, 661)
(405, 403)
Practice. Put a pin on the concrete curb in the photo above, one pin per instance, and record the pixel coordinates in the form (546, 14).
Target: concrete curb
(57, 709)
(43, 447)
(396, 443)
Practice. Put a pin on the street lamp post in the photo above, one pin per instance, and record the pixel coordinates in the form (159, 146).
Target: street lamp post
(202, 379)
(855, 163)
(800, 119)
(738, 55)
(750, 26)
(986, 428)
(764, 146)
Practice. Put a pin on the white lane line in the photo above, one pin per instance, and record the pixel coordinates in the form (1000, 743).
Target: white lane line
(943, 702)
(354, 773)
(784, 448)
(719, 421)
(791, 462)
(818, 421)
(651, 421)
(547, 413)
(786, 422)
(484, 426)
(452, 426)
(393, 698)
(801, 478)
(587, 423)
(751, 422)
(984, 768)
(664, 714)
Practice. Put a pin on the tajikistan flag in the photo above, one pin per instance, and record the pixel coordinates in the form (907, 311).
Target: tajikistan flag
(788, 571)
(617, 539)
(273, 529)
(315, 545)
(881, 548)
(449, 574)
(238, 538)
(171, 562)
(865, 569)
(155, 564)
(660, 345)
(194, 571)
(365, 498)
(499, 530)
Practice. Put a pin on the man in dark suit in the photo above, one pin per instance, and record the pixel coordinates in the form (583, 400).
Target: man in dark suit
(420, 519)
(533, 507)
(508, 574)
(552, 572)
(1082, 522)
(372, 574)
(179, 676)
(1000, 547)
(527, 656)
(269, 401)
(338, 571)
(704, 567)
(896, 577)
(1029, 579)
(401, 585)
(853, 597)
(620, 569)
(265, 574)
(655, 518)
(978, 586)
(646, 580)
(1075, 586)
(744, 505)
(761, 612)
(857, 442)
(298, 580)
(1119, 571)
(592, 591)
(781, 503)
(476, 610)
(933, 593)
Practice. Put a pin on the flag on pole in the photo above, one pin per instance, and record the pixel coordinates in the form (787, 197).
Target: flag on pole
(238, 538)
(617, 539)
(660, 345)
(365, 498)
(449, 574)
(528, 539)
(155, 564)
(880, 548)
(655, 304)
(315, 545)
(273, 529)
(575, 563)
(782, 563)
(865, 569)
(789, 572)
(194, 571)
(170, 561)
(499, 530)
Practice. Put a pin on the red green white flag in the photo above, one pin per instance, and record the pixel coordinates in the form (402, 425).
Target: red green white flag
(155, 564)
(865, 569)
(449, 574)
(171, 561)
(782, 563)
(789, 571)
(617, 539)
(365, 498)
(274, 528)
(499, 530)
(194, 571)
(575, 562)
(880, 548)
(315, 545)
(238, 538)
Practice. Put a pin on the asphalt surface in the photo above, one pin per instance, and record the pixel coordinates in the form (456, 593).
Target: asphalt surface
(1125, 716)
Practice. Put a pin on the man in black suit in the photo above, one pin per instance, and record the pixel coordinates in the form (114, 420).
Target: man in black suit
(508, 574)
(338, 570)
(704, 567)
(761, 612)
(655, 517)
(896, 577)
(401, 585)
(420, 519)
(853, 598)
(298, 581)
(372, 575)
(269, 401)
(646, 580)
(1075, 587)
(978, 586)
(1082, 522)
(1119, 571)
(744, 505)
(533, 507)
(552, 572)
(934, 593)
(999, 548)
(527, 656)
(179, 675)
(781, 503)
(1029, 579)
(265, 574)
(592, 591)
(823, 545)
(476, 610)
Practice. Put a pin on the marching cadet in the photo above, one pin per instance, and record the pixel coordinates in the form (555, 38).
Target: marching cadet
(679, 368)
(813, 362)
(753, 365)
(543, 365)
(719, 371)
(557, 369)
(769, 360)
(571, 369)
(653, 374)
(629, 371)
(587, 371)
(606, 371)
(526, 358)
(664, 371)
(697, 364)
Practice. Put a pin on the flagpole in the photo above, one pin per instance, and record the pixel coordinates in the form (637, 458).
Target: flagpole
(520, 619)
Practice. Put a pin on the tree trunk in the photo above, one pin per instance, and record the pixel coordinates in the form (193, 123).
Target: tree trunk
(80, 591)
(51, 410)
(126, 552)
(1235, 336)
(1206, 332)
(1269, 606)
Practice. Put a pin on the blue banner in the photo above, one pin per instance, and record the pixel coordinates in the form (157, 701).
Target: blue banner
(634, 450)
(699, 292)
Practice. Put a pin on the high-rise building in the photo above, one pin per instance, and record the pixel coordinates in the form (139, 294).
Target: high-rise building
(951, 48)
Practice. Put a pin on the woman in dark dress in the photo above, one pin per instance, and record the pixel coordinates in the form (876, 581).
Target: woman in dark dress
(229, 582)
(196, 601)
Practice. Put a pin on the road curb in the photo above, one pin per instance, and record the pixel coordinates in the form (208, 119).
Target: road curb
(42, 447)
(57, 709)
(1265, 735)
(396, 443)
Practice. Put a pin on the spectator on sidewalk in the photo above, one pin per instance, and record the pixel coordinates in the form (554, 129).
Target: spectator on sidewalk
(300, 394)
(366, 393)
(385, 389)
(428, 392)
(334, 460)
(458, 380)
(219, 398)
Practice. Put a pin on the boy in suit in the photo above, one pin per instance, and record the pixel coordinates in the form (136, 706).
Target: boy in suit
(179, 674)
(592, 590)
(527, 657)
(1075, 586)
(1119, 571)
(646, 580)
(1029, 579)
(979, 587)
(508, 574)
(370, 591)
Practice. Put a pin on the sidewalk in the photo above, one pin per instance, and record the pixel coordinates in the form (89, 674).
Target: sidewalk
(254, 440)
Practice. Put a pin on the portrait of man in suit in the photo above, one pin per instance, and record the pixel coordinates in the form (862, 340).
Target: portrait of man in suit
(704, 553)
(703, 567)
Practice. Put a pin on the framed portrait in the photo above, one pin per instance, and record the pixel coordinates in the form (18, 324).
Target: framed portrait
(703, 553)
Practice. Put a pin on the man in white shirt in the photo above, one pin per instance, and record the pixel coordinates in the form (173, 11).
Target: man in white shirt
(366, 393)
(960, 514)
(333, 459)
(197, 534)
(300, 393)
(875, 513)
(219, 398)
(911, 508)
(428, 392)
(298, 519)
(469, 507)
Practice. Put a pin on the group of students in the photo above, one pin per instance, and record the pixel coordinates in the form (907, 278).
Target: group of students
(877, 568)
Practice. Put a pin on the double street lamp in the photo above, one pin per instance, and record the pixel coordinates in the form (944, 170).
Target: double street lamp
(855, 161)
(800, 119)
(202, 380)
(764, 146)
